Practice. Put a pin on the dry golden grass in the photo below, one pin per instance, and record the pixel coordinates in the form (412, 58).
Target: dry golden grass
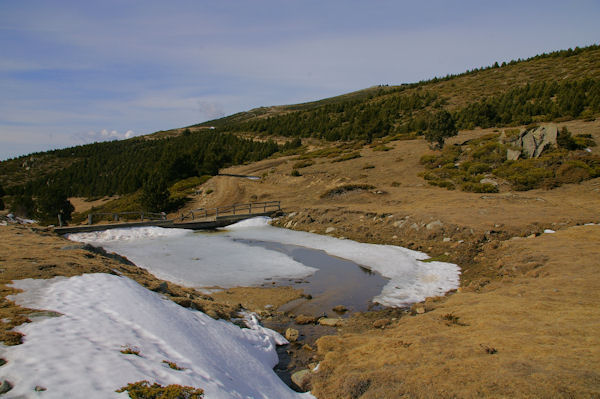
(525, 323)
(531, 335)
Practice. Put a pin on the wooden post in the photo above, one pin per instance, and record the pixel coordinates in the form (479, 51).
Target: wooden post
(250, 209)
(60, 222)
(216, 213)
(142, 216)
(90, 218)
(116, 217)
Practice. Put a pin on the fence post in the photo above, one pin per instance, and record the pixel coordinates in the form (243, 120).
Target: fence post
(234, 209)
(216, 213)
(90, 218)
(192, 212)
(250, 209)
(142, 216)
(60, 222)
(116, 217)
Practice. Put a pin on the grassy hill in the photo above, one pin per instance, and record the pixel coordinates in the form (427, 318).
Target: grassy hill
(559, 86)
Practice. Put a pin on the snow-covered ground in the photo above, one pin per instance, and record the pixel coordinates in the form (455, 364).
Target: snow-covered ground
(196, 259)
(205, 260)
(79, 354)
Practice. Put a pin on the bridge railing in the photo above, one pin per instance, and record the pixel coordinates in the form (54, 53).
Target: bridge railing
(127, 216)
(236, 209)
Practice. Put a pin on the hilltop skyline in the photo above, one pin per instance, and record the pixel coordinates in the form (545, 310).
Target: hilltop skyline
(73, 73)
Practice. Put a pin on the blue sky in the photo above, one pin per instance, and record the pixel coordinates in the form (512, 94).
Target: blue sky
(73, 72)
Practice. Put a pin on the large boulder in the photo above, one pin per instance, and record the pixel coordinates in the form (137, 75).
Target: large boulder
(532, 142)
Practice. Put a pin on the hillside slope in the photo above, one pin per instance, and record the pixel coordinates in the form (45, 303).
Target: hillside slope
(523, 322)
(563, 85)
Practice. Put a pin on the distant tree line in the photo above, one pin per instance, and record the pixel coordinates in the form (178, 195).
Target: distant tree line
(348, 120)
(403, 113)
(542, 101)
(122, 167)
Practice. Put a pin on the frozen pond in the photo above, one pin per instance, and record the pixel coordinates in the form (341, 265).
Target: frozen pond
(250, 252)
(336, 281)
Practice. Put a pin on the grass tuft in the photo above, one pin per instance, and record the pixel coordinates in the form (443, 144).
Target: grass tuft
(130, 350)
(143, 390)
(172, 365)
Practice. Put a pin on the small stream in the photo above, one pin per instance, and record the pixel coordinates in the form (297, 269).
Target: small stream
(336, 282)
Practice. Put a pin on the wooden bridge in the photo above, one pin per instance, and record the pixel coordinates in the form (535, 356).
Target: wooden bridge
(196, 219)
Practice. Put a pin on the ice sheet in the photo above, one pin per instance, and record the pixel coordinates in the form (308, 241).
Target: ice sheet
(79, 353)
(196, 260)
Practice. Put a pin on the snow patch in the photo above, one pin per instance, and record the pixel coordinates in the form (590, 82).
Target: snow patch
(102, 313)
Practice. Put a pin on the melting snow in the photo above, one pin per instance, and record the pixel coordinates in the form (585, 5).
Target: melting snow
(204, 260)
(78, 353)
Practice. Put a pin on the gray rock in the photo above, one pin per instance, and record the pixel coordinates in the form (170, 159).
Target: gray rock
(329, 230)
(302, 379)
(513, 155)
(434, 225)
(531, 142)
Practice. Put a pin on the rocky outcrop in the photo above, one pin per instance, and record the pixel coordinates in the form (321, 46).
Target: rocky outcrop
(530, 143)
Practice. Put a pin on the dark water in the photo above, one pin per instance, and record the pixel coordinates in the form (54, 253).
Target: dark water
(336, 282)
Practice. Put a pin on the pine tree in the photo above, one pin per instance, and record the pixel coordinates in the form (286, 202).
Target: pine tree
(51, 203)
(441, 126)
(155, 194)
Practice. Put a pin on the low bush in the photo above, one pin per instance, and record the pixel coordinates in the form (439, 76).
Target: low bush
(345, 189)
(524, 174)
(303, 164)
(573, 172)
(348, 156)
(382, 147)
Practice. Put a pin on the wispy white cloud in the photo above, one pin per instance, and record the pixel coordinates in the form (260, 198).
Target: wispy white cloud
(102, 135)
(146, 66)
